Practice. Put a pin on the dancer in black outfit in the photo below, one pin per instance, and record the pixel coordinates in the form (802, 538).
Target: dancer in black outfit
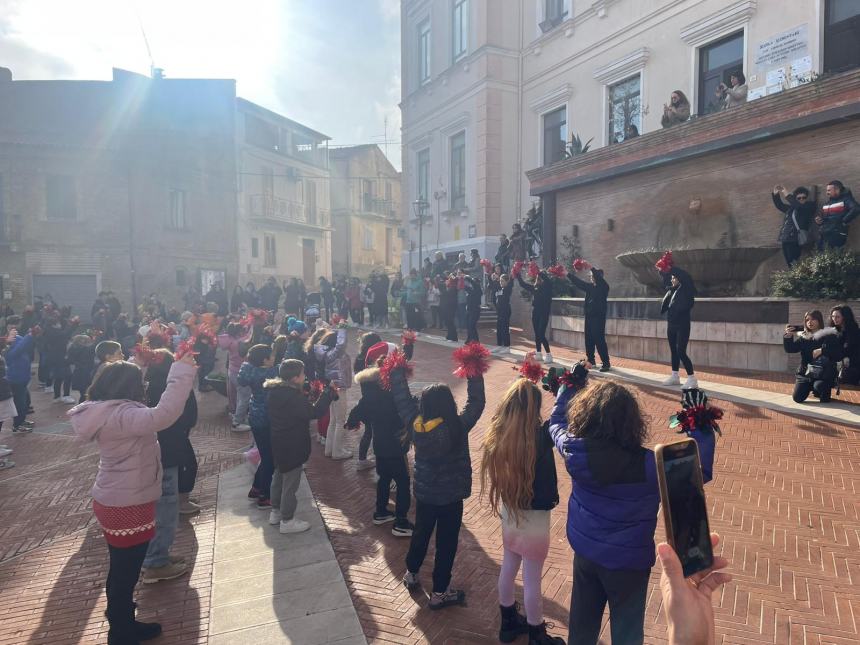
(503, 311)
(473, 307)
(541, 305)
(596, 293)
(448, 308)
(677, 305)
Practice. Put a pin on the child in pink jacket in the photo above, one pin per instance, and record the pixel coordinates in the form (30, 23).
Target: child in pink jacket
(128, 482)
(231, 342)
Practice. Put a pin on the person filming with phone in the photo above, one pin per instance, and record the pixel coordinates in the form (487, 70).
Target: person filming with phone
(798, 211)
(819, 350)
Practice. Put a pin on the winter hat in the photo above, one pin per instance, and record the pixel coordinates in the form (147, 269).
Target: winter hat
(298, 327)
(380, 350)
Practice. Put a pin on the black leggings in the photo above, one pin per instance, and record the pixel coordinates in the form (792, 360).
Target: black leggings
(503, 327)
(446, 520)
(679, 336)
(125, 565)
(396, 469)
(540, 320)
(364, 444)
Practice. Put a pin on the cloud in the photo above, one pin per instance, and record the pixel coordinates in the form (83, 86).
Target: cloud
(390, 10)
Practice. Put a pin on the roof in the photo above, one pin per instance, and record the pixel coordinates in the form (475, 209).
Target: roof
(250, 106)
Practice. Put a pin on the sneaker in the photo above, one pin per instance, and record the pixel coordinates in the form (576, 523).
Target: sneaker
(274, 517)
(293, 526)
(402, 528)
(5, 463)
(691, 383)
(187, 507)
(383, 518)
(169, 571)
(410, 580)
(547, 358)
(264, 503)
(364, 464)
(672, 380)
(538, 357)
(57, 399)
(48, 389)
(513, 623)
(28, 424)
(254, 493)
(5, 452)
(21, 429)
(447, 598)
(605, 367)
(322, 440)
(69, 399)
(242, 427)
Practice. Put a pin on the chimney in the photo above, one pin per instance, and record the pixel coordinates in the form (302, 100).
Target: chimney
(5, 75)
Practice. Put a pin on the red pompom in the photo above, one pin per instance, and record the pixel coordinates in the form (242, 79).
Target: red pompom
(316, 389)
(408, 337)
(579, 264)
(473, 359)
(557, 270)
(335, 319)
(145, 356)
(517, 268)
(665, 263)
(185, 347)
(393, 361)
(256, 318)
(531, 369)
(534, 269)
(488, 266)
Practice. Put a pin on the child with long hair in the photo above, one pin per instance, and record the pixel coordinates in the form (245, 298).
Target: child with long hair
(116, 417)
(443, 475)
(335, 366)
(848, 334)
(612, 512)
(518, 472)
(365, 342)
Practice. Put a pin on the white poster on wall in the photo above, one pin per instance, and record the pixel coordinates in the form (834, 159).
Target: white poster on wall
(781, 48)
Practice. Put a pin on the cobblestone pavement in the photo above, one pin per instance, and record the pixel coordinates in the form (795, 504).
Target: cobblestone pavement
(784, 498)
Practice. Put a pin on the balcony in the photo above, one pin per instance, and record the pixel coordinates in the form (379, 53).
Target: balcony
(382, 207)
(279, 210)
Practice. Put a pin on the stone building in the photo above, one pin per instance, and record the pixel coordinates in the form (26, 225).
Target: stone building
(366, 217)
(284, 219)
(127, 185)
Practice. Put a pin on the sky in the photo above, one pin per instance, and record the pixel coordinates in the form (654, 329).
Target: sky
(333, 65)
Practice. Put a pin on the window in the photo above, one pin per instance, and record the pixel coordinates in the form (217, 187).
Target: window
(61, 197)
(624, 109)
(554, 135)
(180, 277)
(176, 218)
(459, 29)
(368, 195)
(458, 171)
(841, 35)
(554, 13)
(367, 241)
(270, 255)
(717, 62)
(255, 247)
(424, 52)
(311, 202)
(387, 192)
(424, 175)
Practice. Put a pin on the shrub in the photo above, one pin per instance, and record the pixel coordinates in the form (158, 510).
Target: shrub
(829, 275)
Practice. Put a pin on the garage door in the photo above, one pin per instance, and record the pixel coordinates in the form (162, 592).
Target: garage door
(75, 291)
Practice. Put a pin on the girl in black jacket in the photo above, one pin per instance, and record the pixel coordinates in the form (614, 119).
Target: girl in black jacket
(365, 342)
(677, 305)
(502, 302)
(819, 350)
(82, 359)
(519, 469)
(443, 475)
(541, 305)
(848, 333)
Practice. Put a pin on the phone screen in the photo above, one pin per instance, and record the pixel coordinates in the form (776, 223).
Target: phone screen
(691, 536)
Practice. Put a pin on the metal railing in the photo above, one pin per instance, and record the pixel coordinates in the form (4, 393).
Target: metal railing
(285, 210)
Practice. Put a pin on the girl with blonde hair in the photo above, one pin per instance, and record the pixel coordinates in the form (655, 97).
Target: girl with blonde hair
(518, 475)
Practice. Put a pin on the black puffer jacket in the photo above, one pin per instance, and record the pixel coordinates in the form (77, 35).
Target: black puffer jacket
(804, 343)
(376, 409)
(173, 440)
(678, 301)
(443, 467)
(837, 214)
(545, 486)
(794, 210)
(595, 294)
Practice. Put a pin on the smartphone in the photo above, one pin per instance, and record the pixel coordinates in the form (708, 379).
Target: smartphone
(685, 513)
(796, 327)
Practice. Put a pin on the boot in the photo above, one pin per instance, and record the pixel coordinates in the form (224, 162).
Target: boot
(538, 636)
(122, 625)
(513, 624)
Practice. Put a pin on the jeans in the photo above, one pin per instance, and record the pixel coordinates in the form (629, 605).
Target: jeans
(626, 590)
(166, 520)
(125, 564)
(263, 476)
(540, 320)
(446, 520)
(22, 401)
(232, 390)
(283, 491)
(503, 326)
(679, 336)
(395, 468)
(595, 335)
(243, 400)
(803, 387)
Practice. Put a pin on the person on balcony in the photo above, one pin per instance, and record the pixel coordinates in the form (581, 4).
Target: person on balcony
(797, 216)
(677, 111)
(839, 211)
(736, 94)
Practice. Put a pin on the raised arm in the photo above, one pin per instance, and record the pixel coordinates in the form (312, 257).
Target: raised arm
(142, 420)
(777, 201)
(579, 283)
(475, 402)
(525, 285)
(407, 407)
(558, 420)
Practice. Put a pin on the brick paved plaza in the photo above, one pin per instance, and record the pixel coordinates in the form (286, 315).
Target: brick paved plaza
(784, 498)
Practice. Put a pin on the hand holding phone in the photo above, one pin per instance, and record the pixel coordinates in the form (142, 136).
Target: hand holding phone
(685, 513)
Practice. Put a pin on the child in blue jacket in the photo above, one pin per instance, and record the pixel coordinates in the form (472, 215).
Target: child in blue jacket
(18, 361)
(612, 512)
(258, 368)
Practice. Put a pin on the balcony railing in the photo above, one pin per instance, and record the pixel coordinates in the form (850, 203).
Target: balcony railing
(285, 210)
(384, 207)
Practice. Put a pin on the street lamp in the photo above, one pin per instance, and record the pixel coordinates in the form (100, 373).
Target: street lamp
(419, 207)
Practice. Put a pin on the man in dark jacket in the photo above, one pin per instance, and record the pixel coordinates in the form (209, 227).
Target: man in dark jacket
(797, 216)
(270, 295)
(440, 265)
(217, 295)
(376, 409)
(839, 211)
(596, 293)
(503, 255)
(327, 294)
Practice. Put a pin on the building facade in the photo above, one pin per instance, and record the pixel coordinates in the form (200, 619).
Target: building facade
(126, 185)
(284, 216)
(366, 211)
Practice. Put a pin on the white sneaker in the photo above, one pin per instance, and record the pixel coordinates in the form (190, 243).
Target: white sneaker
(69, 399)
(364, 464)
(538, 357)
(672, 380)
(294, 526)
(547, 358)
(274, 517)
(49, 388)
(5, 452)
(691, 383)
(242, 427)
(58, 399)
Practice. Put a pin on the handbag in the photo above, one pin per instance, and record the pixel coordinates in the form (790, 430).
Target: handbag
(821, 369)
(802, 236)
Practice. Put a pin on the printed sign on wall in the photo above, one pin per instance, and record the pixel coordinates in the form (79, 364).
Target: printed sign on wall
(783, 47)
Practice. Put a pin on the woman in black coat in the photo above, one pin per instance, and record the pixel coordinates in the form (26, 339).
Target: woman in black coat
(677, 305)
(797, 217)
(820, 350)
(848, 333)
(541, 292)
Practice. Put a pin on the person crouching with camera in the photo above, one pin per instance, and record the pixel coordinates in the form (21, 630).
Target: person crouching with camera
(819, 351)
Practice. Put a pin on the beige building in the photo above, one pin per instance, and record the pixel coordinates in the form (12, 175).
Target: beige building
(365, 206)
(513, 81)
(284, 220)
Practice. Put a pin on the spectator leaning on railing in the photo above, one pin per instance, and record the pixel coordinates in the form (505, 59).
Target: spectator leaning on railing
(841, 208)
(797, 217)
